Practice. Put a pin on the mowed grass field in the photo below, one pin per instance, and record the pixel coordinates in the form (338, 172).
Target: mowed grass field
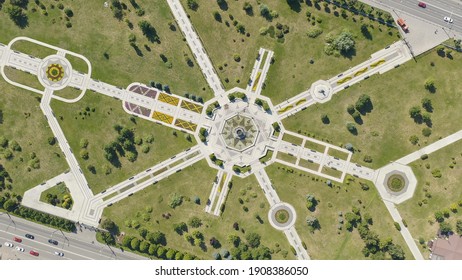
(21, 120)
(96, 32)
(385, 132)
(329, 243)
(438, 193)
(291, 72)
(197, 181)
(98, 128)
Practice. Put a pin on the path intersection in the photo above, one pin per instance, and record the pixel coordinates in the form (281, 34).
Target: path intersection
(235, 130)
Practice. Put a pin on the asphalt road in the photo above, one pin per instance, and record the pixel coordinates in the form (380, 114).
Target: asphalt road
(435, 11)
(73, 246)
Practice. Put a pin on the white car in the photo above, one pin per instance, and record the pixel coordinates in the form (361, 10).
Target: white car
(20, 249)
(59, 254)
(448, 19)
(8, 244)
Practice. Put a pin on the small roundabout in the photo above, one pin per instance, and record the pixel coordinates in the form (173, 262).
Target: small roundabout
(55, 72)
(282, 216)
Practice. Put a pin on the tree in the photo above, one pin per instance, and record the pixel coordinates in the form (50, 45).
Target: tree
(253, 239)
(439, 217)
(192, 4)
(351, 109)
(161, 252)
(17, 16)
(143, 232)
(459, 227)
(148, 30)
(265, 11)
(248, 8)
(135, 244)
(126, 241)
(217, 16)
(352, 128)
(415, 113)
(144, 246)
(195, 222)
(325, 119)
(445, 228)
(426, 131)
(108, 224)
(427, 104)
(91, 168)
(312, 222)
(234, 239)
(414, 139)
(157, 237)
(152, 249)
(84, 154)
(344, 42)
(68, 12)
(364, 103)
(170, 254)
(430, 85)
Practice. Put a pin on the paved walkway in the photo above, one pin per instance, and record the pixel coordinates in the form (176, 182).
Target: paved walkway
(259, 71)
(380, 62)
(273, 199)
(404, 231)
(431, 148)
(195, 44)
(31, 197)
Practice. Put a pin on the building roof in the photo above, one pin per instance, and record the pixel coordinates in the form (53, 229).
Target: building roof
(448, 248)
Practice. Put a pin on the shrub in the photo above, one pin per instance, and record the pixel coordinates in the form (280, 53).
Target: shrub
(426, 131)
(69, 12)
(314, 32)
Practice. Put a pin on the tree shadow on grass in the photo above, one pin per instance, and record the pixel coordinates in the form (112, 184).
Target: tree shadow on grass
(294, 5)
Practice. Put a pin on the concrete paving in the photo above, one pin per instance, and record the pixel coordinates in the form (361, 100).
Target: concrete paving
(380, 62)
(195, 44)
(275, 202)
(410, 241)
(88, 208)
(448, 140)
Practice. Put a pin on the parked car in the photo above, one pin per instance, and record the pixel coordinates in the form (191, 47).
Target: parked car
(30, 236)
(52, 241)
(34, 253)
(59, 254)
(422, 5)
(448, 19)
(17, 239)
(20, 249)
(8, 244)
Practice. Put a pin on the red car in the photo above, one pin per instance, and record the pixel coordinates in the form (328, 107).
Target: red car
(34, 253)
(17, 239)
(422, 5)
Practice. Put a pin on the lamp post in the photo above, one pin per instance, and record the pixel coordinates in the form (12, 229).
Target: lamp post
(11, 220)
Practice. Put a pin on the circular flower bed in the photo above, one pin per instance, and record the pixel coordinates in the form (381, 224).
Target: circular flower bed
(282, 216)
(396, 183)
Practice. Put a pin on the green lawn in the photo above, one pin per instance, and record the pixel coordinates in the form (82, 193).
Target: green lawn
(95, 32)
(61, 192)
(97, 128)
(435, 194)
(24, 123)
(385, 132)
(186, 184)
(23, 78)
(292, 58)
(328, 242)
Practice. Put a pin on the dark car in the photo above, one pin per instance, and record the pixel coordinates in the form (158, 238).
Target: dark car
(422, 5)
(51, 241)
(30, 236)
